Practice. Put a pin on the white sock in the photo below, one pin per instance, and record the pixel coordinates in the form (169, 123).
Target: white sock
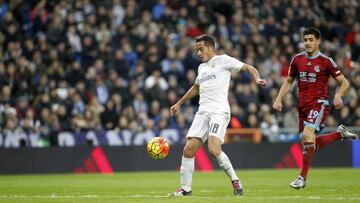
(226, 165)
(186, 172)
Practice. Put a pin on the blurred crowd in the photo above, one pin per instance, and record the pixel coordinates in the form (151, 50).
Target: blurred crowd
(77, 65)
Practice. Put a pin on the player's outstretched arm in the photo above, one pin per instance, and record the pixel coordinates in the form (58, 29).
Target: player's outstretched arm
(285, 88)
(192, 92)
(255, 74)
(344, 86)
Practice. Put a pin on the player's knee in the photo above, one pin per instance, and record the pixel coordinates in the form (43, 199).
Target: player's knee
(191, 147)
(214, 151)
(189, 151)
(308, 137)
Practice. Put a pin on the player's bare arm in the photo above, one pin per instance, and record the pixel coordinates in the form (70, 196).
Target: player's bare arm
(255, 74)
(344, 86)
(285, 88)
(192, 92)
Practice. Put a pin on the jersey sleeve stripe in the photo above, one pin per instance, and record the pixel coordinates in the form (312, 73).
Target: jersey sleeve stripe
(292, 60)
(330, 59)
(333, 62)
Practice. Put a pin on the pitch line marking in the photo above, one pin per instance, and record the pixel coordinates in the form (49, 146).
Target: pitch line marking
(166, 196)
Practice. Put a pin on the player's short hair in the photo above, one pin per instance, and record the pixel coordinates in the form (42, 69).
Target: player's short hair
(312, 31)
(207, 39)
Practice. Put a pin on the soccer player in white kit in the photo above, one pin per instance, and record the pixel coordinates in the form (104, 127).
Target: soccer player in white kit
(212, 118)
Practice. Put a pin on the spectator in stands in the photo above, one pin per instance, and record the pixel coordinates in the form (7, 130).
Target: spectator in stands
(139, 103)
(29, 123)
(155, 85)
(269, 128)
(64, 118)
(171, 65)
(6, 97)
(13, 134)
(101, 90)
(95, 107)
(87, 122)
(109, 117)
(291, 118)
(120, 65)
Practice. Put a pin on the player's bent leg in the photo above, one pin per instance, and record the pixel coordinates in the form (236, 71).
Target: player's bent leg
(214, 145)
(342, 133)
(326, 139)
(187, 167)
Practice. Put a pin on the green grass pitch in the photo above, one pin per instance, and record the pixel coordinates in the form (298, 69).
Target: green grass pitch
(324, 185)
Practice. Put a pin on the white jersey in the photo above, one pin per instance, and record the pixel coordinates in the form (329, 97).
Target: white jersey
(213, 79)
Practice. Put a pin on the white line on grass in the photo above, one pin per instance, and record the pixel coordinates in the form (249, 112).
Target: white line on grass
(55, 196)
(315, 198)
(48, 196)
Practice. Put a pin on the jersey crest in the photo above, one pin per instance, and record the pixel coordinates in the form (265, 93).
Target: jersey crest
(317, 69)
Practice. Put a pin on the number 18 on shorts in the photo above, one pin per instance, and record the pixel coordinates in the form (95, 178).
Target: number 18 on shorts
(205, 124)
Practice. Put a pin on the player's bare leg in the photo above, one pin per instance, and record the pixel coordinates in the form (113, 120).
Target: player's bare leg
(308, 144)
(187, 166)
(214, 145)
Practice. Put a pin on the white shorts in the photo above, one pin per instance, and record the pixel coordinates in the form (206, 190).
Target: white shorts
(209, 124)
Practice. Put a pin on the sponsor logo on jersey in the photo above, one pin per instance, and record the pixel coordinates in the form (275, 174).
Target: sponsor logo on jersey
(309, 63)
(206, 77)
(307, 76)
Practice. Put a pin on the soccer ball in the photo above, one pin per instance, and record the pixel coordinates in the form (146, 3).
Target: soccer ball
(158, 148)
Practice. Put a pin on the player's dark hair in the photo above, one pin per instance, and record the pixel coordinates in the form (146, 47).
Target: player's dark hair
(312, 31)
(207, 39)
